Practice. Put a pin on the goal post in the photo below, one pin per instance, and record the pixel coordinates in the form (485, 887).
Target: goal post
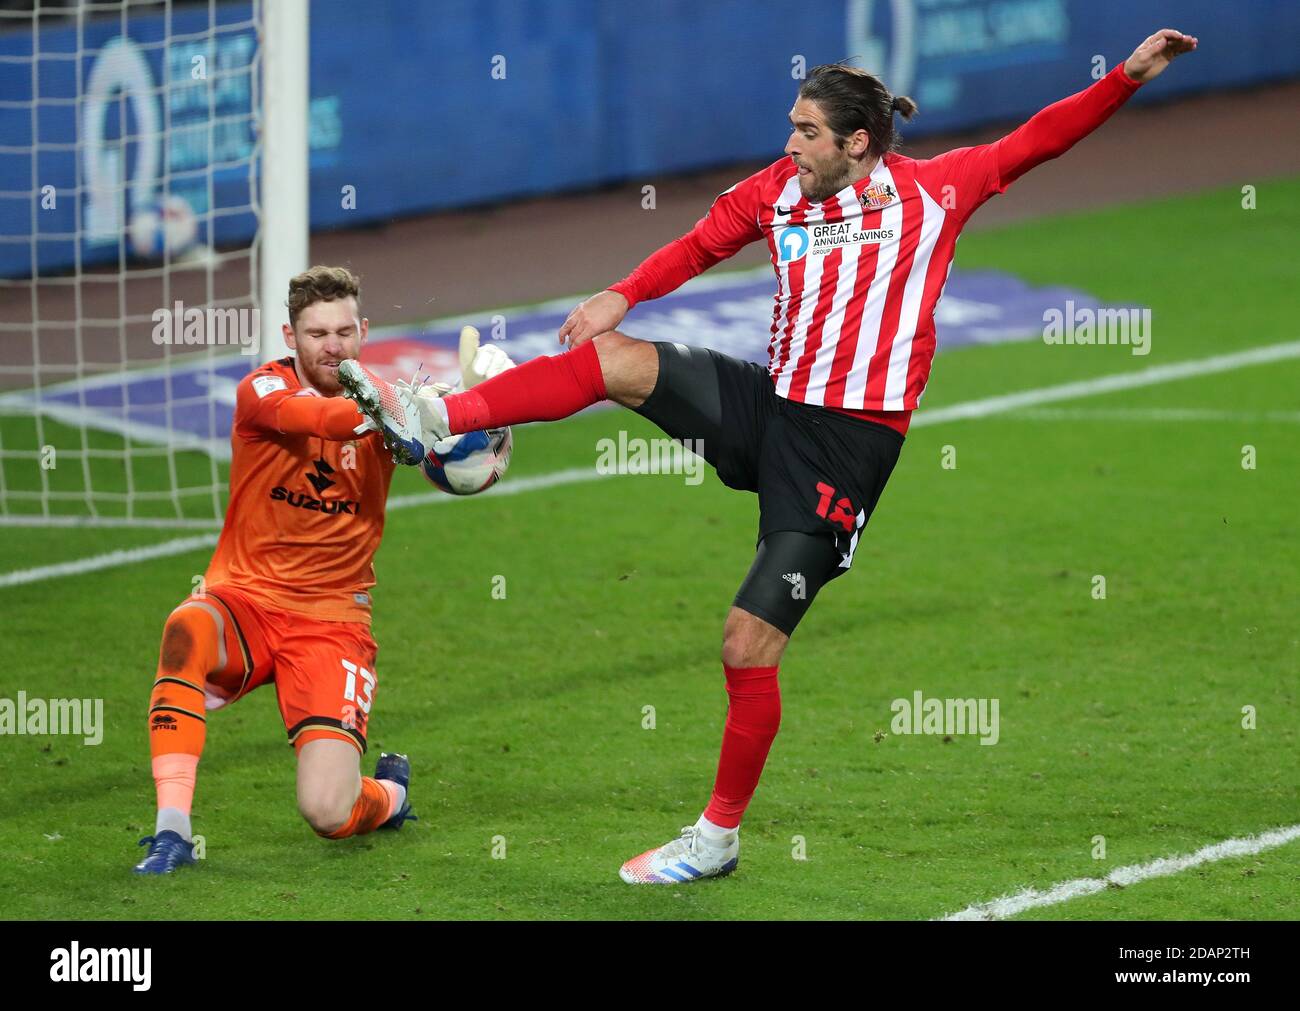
(153, 205)
(284, 170)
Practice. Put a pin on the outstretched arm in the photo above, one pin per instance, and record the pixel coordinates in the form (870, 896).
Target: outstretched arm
(973, 174)
(1060, 126)
(730, 225)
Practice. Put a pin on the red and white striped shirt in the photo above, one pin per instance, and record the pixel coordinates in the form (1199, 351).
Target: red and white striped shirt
(859, 275)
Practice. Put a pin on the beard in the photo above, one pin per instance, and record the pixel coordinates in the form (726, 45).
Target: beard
(826, 180)
(322, 378)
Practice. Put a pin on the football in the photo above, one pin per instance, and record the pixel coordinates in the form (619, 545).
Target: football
(163, 227)
(470, 463)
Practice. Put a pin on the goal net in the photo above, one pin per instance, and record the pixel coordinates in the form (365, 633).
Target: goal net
(131, 232)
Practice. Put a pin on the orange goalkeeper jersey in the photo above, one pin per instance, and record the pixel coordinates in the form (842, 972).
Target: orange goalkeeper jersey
(306, 512)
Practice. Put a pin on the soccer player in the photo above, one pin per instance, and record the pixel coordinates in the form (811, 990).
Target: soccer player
(861, 240)
(286, 597)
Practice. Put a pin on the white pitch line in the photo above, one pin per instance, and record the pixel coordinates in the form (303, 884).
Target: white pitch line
(1108, 384)
(127, 556)
(1151, 414)
(181, 545)
(955, 412)
(106, 522)
(1029, 898)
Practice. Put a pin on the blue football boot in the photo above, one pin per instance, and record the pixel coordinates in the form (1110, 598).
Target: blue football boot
(396, 769)
(167, 851)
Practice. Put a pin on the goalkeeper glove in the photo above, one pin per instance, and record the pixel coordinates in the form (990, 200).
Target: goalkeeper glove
(479, 363)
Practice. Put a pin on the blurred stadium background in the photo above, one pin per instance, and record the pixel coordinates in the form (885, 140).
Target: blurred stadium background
(507, 153)
(494, 161)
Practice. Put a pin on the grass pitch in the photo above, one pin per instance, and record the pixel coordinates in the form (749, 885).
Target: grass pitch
(1120, 717)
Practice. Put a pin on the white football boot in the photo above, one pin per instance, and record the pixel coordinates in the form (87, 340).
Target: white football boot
(390, 409)
(690, 857)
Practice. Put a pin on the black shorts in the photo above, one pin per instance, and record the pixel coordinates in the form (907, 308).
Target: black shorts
(816, 471)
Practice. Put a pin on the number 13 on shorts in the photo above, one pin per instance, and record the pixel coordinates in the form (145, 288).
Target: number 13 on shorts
(354, 700)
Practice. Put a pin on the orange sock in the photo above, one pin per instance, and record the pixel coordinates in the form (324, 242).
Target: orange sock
(194, 645)
(376, 804)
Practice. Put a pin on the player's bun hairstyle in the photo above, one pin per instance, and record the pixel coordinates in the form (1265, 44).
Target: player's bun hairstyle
(321, 284)
(851, 100)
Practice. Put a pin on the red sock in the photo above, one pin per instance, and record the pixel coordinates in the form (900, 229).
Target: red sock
(545, 389)
(752, 721)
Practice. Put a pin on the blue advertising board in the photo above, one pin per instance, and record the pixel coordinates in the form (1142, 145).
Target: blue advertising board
(423, 106)
(191, 403)
(101, 125)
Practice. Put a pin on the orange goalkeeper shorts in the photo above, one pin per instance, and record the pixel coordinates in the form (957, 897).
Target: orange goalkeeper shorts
(323, 671)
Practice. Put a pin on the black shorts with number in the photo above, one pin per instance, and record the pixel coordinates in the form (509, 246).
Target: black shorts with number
(816, 471)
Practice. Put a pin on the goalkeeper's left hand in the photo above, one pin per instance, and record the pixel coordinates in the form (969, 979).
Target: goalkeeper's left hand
(479, 363)
(476, 364)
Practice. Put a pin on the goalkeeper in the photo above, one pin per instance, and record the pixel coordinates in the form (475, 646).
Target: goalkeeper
(286, 597)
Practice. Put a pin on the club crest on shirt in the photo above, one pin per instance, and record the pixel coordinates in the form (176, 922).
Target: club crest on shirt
(877, 195)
